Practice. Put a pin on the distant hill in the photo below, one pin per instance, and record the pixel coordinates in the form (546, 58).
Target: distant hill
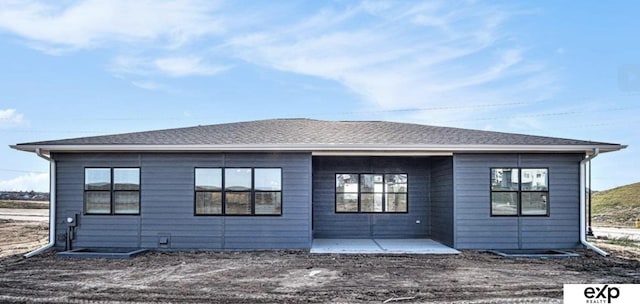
(617, 207)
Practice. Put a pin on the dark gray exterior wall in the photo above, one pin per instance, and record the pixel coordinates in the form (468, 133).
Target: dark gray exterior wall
(328, 224)
(476, 229)
(441, 216)
(167, 203)
(449, 196)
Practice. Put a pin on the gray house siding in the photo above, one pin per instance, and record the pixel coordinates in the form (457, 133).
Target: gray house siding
(449, 200)
(93, 231)
(442, 200)
(167, 203)
(329, 224)
(476, 229)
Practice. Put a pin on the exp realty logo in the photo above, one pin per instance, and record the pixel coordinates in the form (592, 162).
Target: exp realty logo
(601, 293)
(598, 294)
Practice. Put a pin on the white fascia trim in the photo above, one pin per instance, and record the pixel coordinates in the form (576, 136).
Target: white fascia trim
(379, 153)
(317, 148)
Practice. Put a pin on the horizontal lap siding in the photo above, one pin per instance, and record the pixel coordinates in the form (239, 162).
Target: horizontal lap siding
(275, 232)
(167, 203)
(476, 229)
(328, 224)
(92, 230)
(442, 200)
(562, 228)
(168, 198)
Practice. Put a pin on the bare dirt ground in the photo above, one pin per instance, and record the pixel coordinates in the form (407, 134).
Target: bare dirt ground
(31, 215)
(632, 234)
(630, 250)
(21, 236)
(299, 277)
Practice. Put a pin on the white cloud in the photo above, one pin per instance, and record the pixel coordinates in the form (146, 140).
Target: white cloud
(164, 66)
(31, 181)
(94, 23)
(393, 55)
(186, 66)
(145, 26)
(10, 118)
(404, 56)
(147, 85)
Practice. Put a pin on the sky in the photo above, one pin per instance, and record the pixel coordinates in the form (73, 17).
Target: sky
(554, 68)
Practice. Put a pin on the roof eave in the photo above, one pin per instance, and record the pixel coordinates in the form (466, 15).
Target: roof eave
(326, 148)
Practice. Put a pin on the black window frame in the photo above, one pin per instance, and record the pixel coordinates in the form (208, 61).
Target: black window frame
(196, 191)
(384, 197)
(112, 191)
(252, 192)
(360, 192)
(356, 193)
(519, 193)
(253, 195)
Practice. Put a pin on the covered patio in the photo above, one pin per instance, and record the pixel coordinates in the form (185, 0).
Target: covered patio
(381, 246)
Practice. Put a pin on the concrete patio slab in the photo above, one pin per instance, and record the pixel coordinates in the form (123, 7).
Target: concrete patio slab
(377, 246)
(415, 246)
(345, 246)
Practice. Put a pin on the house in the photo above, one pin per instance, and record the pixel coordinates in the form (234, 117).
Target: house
(280, 183)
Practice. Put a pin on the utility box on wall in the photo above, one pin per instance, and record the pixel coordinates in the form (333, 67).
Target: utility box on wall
(164, 241)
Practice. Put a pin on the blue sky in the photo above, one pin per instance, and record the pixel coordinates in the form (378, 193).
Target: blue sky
(83, 68)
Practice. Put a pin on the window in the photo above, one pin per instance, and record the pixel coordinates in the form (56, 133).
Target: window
(519, 191)
(535, 193)
(504, 191)
(112, 191)
(97, 191)
(371, 193)
(347, 193)
(268, 191)
(208, 191)
(238, 191)
(396, 191)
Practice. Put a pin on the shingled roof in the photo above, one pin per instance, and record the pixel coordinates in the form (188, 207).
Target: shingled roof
(309, 134)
